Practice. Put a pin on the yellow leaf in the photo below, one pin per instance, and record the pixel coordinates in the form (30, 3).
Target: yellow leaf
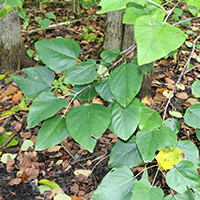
(51, 184)
(168, 158)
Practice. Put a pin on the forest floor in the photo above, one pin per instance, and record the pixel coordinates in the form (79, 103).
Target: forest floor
(59, 163)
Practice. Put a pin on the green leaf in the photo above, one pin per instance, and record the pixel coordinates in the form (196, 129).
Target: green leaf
(148, 141)
(26, 144)
(45, 106)
(4, 157)
(183, 176)
(117, 185)
(2, 1)
(124, 120)
(44, 23)
(87, 94)
(189, 195)
(171, 137)
(190, 151)
(193, 6)
(62, 197)
(114, 5)
(125, 82)
(144, 191)
(51, 184)
(125, 153)
(50, 15)
(173, 124)
(86, 121)
(110, 55)
(14, 3)
(103, 89)
(149, 119)
(59, 53)
(21, 13)
(5, 136)
(134, 11)
(84, 73)
(53, 131)
(152, 43)
(198, 134)
(3, 13)
(39, 79)
(196, 88)
(192, 116)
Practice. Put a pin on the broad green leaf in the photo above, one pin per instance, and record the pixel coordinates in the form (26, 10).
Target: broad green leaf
(87, 94)
(171, 137)
(103, 89)
(59, 54)
(50, 15)
(2, 1)
(190, 151)
(51, 184)
(192, 116)
(125, 82)
(144, 191)
(148, 141)
(152, 43)
(86, 121)
(134, 11)
(43, 188)
(3, 13)
(39, 79)
(45, 106)
(198, 134)
(193, 6)
(125, 153)
(124, 120)
(175, 114)
(112, 5)
(168, 158)
(44, 23)
(149, 119)
(83, 73)
(117, 185)
(196, 88)
(173, 124)
(53, 131)
(183, 176)
(110, 55)
(14, 3)
(189, 195)
(21, 13)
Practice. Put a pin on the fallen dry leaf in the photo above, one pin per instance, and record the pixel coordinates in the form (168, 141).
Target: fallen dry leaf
(25, 135)
(9, 164)
(168, 80)
(76, 198)
(2, 129)
(54, 148)
(65, 164)
(15, 181)
(97, 101)
(16, 97)
(74, 189)
(182, 95)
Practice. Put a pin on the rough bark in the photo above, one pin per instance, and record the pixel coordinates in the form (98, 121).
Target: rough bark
(12, 51)
(122, 36)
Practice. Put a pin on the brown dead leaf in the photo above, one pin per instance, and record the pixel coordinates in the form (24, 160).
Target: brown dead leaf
(56, 156)
(33, 138)
(159, 97)
(15, 181)
(76, 198)
(30, 173)
(9, 164)
(2, 129)
(65, 164)
(89, 162)
(170, 87)
(97, 101)
(16, 97)
(74, 188)
(182, 95)
(18, 126)
(164, 62)
(32, 155)
(10, 90)
(148, 100)
(168, 80)
(54, 148)
(25, 135)
(81, 193)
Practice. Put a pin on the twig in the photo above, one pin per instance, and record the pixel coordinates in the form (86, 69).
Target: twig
(55, 25)
(191, 69)
(155, 177)
(7, 116)
(186, 20)
(186, 64)
(158, 6)
(8, 140)
(97, 164)
(71, 155)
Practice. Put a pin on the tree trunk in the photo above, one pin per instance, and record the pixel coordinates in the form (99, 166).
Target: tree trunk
(12, 51)
(121, 36)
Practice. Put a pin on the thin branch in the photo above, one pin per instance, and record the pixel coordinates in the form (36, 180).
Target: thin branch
(158, 6)
(186, 64)
(155, 177)
(191, 69)
(186, 20)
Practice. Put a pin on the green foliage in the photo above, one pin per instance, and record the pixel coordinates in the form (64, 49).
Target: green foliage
(140, 129)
